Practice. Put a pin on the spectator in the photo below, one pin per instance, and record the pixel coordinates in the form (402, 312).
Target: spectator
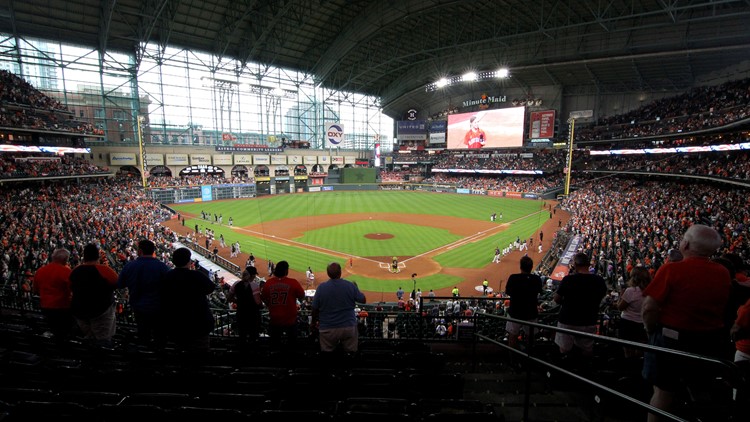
(52, 284)
(579, 296)
(142, 278)
(333, 312)
(683, 309)
(245, 294)
(740, 333)
(630, 303)
(280, 294)
(740, 291)
(93, 304)
(523, 289)
(187, 314)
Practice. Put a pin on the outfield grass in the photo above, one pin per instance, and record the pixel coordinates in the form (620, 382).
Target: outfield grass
(524, 216)
(408, 240)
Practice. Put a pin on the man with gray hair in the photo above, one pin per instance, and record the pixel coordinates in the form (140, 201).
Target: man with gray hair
(683, 309)
(52, 284)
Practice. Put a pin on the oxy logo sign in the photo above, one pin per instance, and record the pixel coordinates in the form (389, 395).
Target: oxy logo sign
(335, 133)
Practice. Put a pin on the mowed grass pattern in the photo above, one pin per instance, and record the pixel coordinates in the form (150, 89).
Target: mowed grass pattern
(407, 240)
(525, 216)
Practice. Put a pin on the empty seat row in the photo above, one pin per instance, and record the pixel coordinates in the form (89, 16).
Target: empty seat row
(351, 410)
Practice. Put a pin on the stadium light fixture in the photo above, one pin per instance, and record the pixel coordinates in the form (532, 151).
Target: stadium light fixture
(469, 77)
(501, 73)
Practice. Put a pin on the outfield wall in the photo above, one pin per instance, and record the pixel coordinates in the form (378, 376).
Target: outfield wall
(206, 193)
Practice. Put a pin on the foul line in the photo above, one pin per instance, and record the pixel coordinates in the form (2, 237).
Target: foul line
(473, 238)
(469, 239)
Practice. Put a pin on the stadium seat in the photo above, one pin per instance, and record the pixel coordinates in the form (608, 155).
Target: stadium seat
(88, 398)
(47, 410)
(293, 415)
(165, 400)
(189, 413)
(246, 403)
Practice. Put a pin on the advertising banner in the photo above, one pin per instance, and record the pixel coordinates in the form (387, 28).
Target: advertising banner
(542, 124)
(155, 159)
(122, 159)
(335, 133)
(177, 159)
(198, 159)
(261, 159)
(411, 130)
(243, 159)
(563, 265)
(222, 160)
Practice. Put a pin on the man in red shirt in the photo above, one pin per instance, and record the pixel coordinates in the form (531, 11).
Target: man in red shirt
(683, 309)
(280, 294)
(52, 284)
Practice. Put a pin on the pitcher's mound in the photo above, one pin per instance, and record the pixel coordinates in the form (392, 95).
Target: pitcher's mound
(378, 236)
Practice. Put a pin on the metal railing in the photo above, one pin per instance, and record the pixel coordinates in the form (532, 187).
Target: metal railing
(487, 327)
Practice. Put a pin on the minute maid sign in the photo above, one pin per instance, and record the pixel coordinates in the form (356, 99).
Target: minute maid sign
(335, 133)
(485, 100)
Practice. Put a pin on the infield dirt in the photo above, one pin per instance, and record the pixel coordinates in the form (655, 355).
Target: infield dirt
(377, 266)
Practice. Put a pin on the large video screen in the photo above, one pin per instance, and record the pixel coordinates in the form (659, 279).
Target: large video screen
(486, 129)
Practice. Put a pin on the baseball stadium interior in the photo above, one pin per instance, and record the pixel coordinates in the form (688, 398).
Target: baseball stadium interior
(627, 122)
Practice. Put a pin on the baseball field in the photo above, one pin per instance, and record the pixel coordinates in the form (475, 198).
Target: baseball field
(446, 239)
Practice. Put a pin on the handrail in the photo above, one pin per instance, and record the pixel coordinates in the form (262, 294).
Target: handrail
(529, 355)
(11, 300)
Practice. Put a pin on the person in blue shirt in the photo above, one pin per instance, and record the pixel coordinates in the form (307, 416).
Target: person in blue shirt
(142, 278)
(333, 312)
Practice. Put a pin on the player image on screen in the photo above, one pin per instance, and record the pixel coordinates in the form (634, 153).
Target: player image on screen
(498, 128)
(474, 137)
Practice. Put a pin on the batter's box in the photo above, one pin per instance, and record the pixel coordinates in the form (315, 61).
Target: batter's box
(387, 266)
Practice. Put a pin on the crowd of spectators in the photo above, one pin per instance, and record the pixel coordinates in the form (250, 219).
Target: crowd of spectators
(529, 184)
(25, 165)
(728, 165)
(15, 90)
(23, 106)
(38, 218)
(163, 181)
(624, 223)
(700, 108)
(547, 160)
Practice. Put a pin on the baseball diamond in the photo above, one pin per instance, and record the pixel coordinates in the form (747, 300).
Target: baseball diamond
(445, 238)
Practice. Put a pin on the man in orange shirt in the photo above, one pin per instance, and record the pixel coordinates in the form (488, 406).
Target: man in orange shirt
(52, 284)
(684, 309)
